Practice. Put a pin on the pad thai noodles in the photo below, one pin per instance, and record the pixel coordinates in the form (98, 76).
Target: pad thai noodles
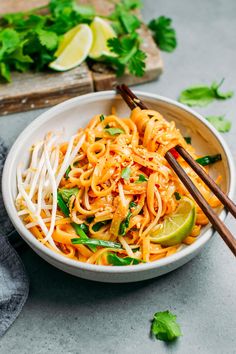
(108, 196)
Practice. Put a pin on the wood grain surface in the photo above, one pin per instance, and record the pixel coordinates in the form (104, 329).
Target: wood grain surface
(36, 90)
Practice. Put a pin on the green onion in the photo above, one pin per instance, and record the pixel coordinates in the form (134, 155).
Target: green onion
(132, 205)
(188, 139)
(102, 117)
(67, 172)
(118, 261)
(208, 160)
(96, 227)
(125, 224)
(94, 242)
(62, 205)
(80, 230)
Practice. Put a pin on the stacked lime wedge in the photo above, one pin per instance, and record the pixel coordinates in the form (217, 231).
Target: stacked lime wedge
(102, 31)
(83, 41)
(73, 49)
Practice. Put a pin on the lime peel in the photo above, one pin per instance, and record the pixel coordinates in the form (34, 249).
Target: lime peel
(178, 225)
(73, 49)
(102, 31)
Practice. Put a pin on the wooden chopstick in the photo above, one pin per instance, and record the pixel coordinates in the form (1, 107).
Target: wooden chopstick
(225, 200)
(133, 101)
(201, 201)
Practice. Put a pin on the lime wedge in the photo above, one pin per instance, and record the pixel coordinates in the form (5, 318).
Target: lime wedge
(176, 226)
(102, 31)
(73, 49)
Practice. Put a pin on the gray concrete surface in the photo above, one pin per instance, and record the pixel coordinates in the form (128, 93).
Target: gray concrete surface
(68, 315)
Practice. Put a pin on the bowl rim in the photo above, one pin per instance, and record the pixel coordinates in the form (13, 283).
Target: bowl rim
(49, 114)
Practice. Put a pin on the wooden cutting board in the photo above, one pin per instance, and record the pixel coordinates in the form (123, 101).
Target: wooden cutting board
(36, 90)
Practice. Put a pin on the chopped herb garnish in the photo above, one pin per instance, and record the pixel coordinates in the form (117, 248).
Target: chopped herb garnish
(125, 173)
(96, 227)
(202, 95)
(118, 261)
(114, 131)
(220, 123)
(81, 230)
(188, 139)
(94, 242)
(90, 219)
(163, 34)
(132, 205)
(125, 224)
(128, 54)
(67, 193)
(208, 160)
(62, 205)
(164, 326)
(177, 196)
(141, 178)
(67, 172)
(102, 117)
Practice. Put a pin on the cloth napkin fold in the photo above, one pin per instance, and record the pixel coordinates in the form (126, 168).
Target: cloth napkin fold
(14, 284)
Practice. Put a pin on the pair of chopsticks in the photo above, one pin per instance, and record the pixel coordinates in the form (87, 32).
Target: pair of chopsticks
(133, 101)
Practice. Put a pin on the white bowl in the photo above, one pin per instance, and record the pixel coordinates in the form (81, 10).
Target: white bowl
(75, 113)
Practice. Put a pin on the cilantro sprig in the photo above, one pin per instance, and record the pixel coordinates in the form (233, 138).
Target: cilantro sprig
(128, 55)
(202, 95)
(163, 34)
(164, 326)
(220, 123)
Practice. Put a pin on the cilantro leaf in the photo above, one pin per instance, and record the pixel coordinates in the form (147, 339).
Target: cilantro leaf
(164, 35)
(9, 41)
(137, 64)
(102, 117)
(129, 21)
(66, 193)
(177, 196)
(164, 326)
(202, 95)
(128, 55)
(131, 4)
(5, 72)
(118, 261)
(125, 173)
(114, 131)
(141, 178)
(48, 39)
(220, 123)
(221, 95)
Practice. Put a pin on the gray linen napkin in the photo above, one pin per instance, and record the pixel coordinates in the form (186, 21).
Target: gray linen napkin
(14, 285)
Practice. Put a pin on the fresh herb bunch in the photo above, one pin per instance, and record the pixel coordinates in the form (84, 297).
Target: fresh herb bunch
(28, 40)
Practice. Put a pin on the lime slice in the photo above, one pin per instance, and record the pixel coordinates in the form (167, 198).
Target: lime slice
(73, 49)
(102, 31)
(176, 226)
